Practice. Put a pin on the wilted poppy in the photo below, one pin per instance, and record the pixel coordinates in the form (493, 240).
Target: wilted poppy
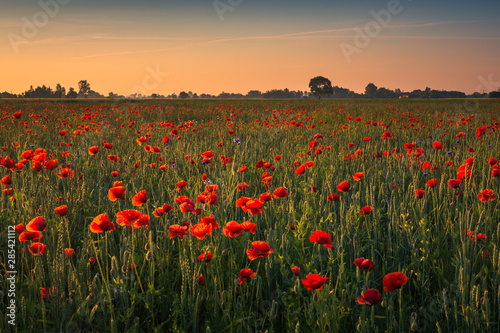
(140, 198)
(101, 223)
(370, 297)
(393, 281)
(322, 238)
(260, 249)
(314, 281)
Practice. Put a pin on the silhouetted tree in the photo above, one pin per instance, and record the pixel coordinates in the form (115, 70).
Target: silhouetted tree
(72, 93)
(183, 94)
(84, 88)
(370, 90)
(60, 91)
(320, 86)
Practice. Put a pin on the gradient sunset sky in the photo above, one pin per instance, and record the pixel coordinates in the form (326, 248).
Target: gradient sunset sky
(261, 45)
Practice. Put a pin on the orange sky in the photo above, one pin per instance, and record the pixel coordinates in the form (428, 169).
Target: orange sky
(206, 55)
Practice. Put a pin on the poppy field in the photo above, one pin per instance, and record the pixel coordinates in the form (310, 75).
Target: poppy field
(250, 215)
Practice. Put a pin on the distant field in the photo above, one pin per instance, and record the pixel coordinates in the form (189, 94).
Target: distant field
(410, 185)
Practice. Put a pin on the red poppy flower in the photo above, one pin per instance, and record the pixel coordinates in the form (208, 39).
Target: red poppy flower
(296, 270)
(101, 223)
(30, 235)
(314, 281)
(260, 249)
(207, 154)
(357, 176)
(259, 164)
(264, 197)
(492, 161)
(70, 253)
(280, 192)
(207, 256)
(387, 135)
(140, 198)
(233, 229)
(51, 165)
(131, 217)
(66, 173)
(333, 197)
(249, 205)
(37, 224)
(495, 173)
(181, 185)
(394, 281)
(365, 210)
(486, 195)
(300, 170)
(201, 229)
(93, 150)
(116, 192)
(177, 230)
(61, 210)
(343, 186)
(6, 180)
(244, 274)
(367, 139)
(46, 292)
(36, 248)
(322, 238)
(370, 297)
(432, 183)
(454, 183)
(437, 145)
(419, 193)
(242, 169)
(364, 263)
(114, 173)
(242, 187)
(19, 228)
(249, 226)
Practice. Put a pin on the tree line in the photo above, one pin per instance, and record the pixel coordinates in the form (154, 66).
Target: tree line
(320, 87)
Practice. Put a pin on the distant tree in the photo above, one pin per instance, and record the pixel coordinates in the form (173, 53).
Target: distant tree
(72, 93)
(183, 94)
(60, 91)
(254, 94)
(370, 90)
(320, 86)
(494, 94)
(426, 93)
(434, 94)
(84, 87)
(195, 95)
